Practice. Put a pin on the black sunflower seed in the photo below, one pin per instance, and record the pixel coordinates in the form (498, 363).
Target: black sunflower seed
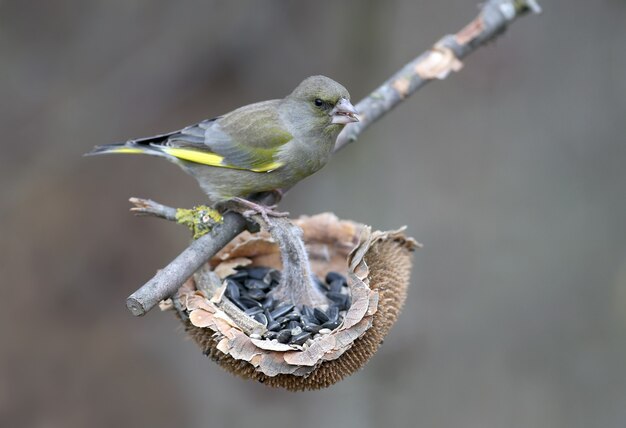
(300, 338)
(334, 276)
(331, 325)
(273, 276)
(261, 319)
(253, 311)
(346, 304)
(335, 286)
(294, 316)
(320, 315)
(258, 272)
(282, 310)
(250, 303)
(240, 275)
(256, 284)
(312, 328)
(238, 303)
(269, 303)
(284, 336)
(310, 320)
(273, 326)
(333, 313)
(256, 294)
(271, 335)
(307, 311)
(339, 298)
(232, 289)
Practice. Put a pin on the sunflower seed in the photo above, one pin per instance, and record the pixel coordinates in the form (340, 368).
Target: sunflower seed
(273, 326)
(334, 276)
(312, 328)
(299, 339)
(269, 303)
(296, 330)
(232, 290)
(261, 319)
(309, 320)
(238, 303)
(250, 303)
(308, 311)
(258, 272)
(294, 316)
(273, 276)
(333, 313)
(347, 304)
(320, 315)
(238, 276)
(256, 284)
(338, 298)
(331, 325)
(256, 294)
(284, 336)
(282, 310)
(271, 335)
(293, 324)
(253, 311)
(335, 286)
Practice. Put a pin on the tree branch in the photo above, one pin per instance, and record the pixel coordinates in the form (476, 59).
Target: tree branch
(436, 63)
(171, 277)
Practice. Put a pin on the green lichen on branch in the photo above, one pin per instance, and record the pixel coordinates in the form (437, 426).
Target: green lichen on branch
(200, 220)
(527, 6)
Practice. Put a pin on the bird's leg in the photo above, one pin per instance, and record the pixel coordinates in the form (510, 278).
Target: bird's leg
(276, 196)
(255, 208)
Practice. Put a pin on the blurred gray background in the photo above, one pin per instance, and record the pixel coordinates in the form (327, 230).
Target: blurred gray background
(512, 173)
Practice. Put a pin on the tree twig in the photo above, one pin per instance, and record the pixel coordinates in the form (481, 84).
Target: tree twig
(148, 207)
(436, 63)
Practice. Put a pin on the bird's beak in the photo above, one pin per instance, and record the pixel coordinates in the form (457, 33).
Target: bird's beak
(344, 112)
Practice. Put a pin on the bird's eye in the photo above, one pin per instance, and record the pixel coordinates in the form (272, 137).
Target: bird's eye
(318, 102)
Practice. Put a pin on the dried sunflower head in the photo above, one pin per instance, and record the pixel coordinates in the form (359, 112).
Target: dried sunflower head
(377, 265)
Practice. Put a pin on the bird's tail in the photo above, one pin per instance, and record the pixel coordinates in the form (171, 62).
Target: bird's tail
(118, 148)
(148, 146)
(129, 147)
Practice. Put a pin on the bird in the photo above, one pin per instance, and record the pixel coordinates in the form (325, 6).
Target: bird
(261, 147)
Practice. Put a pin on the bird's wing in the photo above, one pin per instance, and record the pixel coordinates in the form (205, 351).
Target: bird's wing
(247, 138)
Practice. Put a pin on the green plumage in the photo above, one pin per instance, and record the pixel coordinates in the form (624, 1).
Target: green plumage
(259, 147)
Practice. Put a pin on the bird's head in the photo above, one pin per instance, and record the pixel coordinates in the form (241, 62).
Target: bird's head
(326, 101)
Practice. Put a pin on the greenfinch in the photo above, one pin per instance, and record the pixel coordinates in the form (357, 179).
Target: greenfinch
(261, 147)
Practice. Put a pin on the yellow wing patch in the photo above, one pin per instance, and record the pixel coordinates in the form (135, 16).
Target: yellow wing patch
(126, 150)
(205, 158)
(212, 159)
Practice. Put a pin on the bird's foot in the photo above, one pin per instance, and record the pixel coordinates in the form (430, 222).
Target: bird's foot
(254, 208)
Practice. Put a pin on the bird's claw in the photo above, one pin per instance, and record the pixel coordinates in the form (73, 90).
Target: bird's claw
(258, 209)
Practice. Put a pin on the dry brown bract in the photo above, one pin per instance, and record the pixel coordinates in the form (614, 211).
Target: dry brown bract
(377, 265)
